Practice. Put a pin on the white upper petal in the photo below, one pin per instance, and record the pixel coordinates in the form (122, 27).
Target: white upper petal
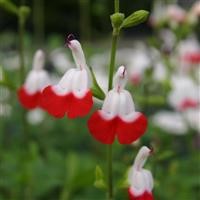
(36, 81)
(111, 105)
(38, 60)
(75, 81)
(141, 157)
(77, 53)
(65, 84)
(141, 181)
(120, 78)
(119, 104)
(126, 107)
(80, 83)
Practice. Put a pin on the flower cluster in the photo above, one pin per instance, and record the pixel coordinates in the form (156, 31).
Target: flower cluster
(72, 97)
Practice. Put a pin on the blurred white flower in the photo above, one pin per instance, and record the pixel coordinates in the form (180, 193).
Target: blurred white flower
(11, 61)
(138, 63)
(99, 61)
(168, 38)
(158, 13)
(61, 60)
(5, 110)
(4, 94)
(175, 14)
(184, 94)
(159, 72)
(188, 52)
(171, 122)
(35, 117)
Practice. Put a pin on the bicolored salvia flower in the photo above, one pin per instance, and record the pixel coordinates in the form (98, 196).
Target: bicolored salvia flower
(71, 96)
(140, 180)
(118, 117)
(29, 94)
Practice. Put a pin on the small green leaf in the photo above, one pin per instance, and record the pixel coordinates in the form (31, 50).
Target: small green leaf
(5, 81)
(99, 178)
(123, 183)
(9, 6)
(135, 18)
(96, 89)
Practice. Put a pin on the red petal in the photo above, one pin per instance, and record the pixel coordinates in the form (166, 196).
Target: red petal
(128, 132)
(79, 107)
(101, 129)
(145, 196)
(188, 103)
(28, 101)
(54, 104)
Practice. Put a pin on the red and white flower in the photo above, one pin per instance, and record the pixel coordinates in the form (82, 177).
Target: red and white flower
(140, 180)
(29, 93)
(71, 96)
(118, 117)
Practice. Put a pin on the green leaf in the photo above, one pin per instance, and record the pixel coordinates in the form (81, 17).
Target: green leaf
(5, 81)
(96, 89)
(9, 6)
(135, 18)
(99, 178)
(123, 183)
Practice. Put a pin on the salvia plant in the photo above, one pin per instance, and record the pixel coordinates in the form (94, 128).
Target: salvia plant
(73, 96)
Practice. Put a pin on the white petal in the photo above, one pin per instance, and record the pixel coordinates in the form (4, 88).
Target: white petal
(138, 183)
(65, 84)
(120, 78)
(80, 83)
(36, 81)
(43, 79)
(148, 180)
(35, 116)
(111, 104)
(78, 54)
(31, 84)
(38, 60)
(192, 116)
(126, 107)
(141, 157)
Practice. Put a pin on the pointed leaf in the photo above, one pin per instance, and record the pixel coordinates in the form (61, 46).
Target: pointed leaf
(96, 89)
(99, 178)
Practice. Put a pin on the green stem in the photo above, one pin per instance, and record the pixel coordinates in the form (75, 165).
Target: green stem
(38, 22)
(110, 179)
(112, 59)
(116, 6)
(21, 24)
(115, 36)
